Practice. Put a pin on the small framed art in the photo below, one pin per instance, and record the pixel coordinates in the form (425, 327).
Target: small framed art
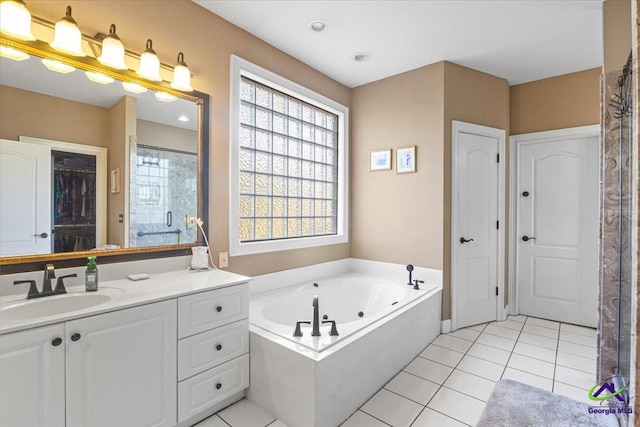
(406, 159)
(380, 160)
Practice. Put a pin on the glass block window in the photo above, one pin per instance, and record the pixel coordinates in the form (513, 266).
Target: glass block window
(288, 172)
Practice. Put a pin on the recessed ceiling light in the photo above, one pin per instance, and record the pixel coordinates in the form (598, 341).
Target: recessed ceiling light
(361, 56)
(317, 26)
(183, 118)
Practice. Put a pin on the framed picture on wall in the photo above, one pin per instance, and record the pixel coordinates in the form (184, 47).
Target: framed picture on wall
(406, 159)
(380, 160)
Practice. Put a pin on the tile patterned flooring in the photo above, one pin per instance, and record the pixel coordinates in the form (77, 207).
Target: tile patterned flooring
(458, 370)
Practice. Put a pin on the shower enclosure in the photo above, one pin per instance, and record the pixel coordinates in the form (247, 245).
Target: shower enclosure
(614, 357)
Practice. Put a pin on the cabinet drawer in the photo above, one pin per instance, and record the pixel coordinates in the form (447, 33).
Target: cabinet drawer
(208, 349)
(208, 310)
(210, 387)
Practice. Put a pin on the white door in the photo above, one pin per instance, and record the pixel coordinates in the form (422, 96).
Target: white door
(32, 378)
(475, 228)
(25, 198)
(557, 229)
(122, 368)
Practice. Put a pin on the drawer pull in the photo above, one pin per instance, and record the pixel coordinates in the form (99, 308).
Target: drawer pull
(219, 347)
(219, 308)
(75, 337)
(218, 386)
(56, 342)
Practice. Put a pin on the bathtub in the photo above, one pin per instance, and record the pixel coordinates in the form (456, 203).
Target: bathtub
(320, 381)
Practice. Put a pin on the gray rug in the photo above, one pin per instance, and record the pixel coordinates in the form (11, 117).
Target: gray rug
(513, 404)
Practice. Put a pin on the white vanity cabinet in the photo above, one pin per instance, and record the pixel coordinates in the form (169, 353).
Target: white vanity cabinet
(213, 359)
(121, 368)
(32, 385)
(161, 364)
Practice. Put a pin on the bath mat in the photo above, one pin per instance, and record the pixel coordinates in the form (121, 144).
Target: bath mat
(513, 404)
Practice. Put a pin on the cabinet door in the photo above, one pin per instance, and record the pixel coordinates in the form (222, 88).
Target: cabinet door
(121, 368)
(32, 377)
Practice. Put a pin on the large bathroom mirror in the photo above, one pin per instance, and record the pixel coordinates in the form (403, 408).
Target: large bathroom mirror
(95, 166)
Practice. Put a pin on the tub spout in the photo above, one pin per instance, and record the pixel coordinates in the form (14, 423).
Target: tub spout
(316, 319)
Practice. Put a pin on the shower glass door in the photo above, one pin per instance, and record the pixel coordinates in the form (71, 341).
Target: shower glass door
(165, 195)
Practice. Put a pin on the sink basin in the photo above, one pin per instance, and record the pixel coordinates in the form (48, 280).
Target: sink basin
(51, 306)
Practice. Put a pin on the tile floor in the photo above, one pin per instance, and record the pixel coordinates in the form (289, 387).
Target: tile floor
(448, 384)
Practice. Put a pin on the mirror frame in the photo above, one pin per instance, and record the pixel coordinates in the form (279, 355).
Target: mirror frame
(23, 263)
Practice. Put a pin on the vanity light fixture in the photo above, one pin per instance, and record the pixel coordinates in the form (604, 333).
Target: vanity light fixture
(133, 87)
(16, 55)
(181, 76)
(149, 64)
(67, 38)
(15, 19)
(112, 51)
(165, 97)
(99, 78)
(58, 66)
(183, 118)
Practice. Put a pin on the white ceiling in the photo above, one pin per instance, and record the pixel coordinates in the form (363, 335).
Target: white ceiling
(519, 40)
(32, 75)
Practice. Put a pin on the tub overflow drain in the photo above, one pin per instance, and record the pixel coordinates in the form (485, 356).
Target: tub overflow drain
(315, 285)
(360, 314)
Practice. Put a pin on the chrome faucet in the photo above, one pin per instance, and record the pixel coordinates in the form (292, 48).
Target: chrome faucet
(49, 273)
(316, 318)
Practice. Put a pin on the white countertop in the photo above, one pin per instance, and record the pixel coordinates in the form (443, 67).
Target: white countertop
(124, 294)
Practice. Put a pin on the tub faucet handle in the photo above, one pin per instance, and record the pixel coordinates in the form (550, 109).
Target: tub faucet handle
(334, 330)
(298, 332)
(415, 284)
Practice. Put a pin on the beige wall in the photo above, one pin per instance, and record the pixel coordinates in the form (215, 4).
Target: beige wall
(122, 119)
(25, 113)
(473, 97)
(617, 39)
(406, 218)
(398, 218)
(558, 102)
(165, 136)
(207, 42)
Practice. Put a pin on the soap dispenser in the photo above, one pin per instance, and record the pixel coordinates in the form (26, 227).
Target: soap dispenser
(91, 275)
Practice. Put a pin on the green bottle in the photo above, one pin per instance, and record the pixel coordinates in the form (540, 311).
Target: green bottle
(91, 275)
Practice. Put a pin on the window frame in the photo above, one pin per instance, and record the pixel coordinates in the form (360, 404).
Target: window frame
(240, 68)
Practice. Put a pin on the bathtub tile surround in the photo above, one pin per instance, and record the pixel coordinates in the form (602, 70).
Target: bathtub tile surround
(314, 384)
(459, 397)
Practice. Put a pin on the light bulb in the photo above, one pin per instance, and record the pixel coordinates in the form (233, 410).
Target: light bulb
(181, 76)
(99, 78)
(15, 19)
(149, 64)
(16, 55)
(67, 38)
(112, 51)
(58, 66)
(165, 97)
(133, 87)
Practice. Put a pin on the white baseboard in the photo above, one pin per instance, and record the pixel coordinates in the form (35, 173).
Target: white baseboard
(445, 326)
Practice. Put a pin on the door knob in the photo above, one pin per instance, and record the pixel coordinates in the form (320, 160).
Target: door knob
(527, 238)
(463, 240)
(41, 235)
